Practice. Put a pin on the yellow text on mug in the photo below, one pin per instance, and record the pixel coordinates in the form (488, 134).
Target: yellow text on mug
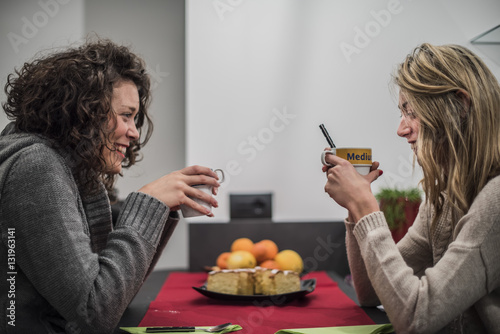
(360, 158)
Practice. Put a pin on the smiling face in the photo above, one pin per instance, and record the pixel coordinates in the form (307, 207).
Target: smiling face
(125, 105)
(409, 124)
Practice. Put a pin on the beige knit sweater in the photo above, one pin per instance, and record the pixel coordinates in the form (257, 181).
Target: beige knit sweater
(447, 281)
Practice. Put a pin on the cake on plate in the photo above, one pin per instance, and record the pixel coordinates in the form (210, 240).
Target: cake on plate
(233, 282)
(275, 282)
(257, 281)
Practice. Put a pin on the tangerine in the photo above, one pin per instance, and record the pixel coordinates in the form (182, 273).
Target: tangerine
(259, 250)
(289, 260)
(222, 260)
(271, 248)
(241, 259)
(242, 244)
(270, 264)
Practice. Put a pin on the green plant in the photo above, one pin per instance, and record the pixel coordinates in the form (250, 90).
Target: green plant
(393, 202)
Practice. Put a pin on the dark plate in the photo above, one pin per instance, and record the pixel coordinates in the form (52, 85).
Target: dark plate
(306, 286)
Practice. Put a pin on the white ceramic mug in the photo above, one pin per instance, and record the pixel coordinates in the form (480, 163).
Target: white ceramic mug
(188, 211)
(360, 158)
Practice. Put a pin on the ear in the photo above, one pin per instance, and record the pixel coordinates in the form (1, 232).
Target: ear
(465, 98)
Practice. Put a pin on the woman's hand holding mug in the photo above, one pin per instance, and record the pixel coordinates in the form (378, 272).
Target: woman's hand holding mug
(176, 189)
(348, 187)
(189, 211)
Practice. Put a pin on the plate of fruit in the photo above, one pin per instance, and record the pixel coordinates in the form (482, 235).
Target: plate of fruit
(257, 271)
(244, 253)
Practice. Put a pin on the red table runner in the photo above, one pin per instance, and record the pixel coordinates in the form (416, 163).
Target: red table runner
(178, 304)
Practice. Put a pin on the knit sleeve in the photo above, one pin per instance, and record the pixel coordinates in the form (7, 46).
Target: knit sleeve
(138, 211)
(427, 302)
(39, 200)
(362, 285)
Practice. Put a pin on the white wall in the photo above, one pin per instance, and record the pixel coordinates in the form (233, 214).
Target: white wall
(315, 61)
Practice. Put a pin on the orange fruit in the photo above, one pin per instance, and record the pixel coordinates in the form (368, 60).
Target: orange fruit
(259, 250)
(242, 244)
(271, 249)
(241, 259)
(222, 260)
(270, 264)
(289, 260)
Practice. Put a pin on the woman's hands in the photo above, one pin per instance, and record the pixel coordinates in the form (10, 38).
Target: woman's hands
(350, 189)
(175, 188)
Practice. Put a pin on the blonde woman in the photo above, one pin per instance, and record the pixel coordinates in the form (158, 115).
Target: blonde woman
(444, 275)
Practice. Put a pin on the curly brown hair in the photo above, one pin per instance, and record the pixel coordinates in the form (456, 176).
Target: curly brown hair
(66, 97)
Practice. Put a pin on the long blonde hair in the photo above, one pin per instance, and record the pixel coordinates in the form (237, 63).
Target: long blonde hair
(457, 101)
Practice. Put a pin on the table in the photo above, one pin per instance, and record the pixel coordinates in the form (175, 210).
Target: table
(139, 306)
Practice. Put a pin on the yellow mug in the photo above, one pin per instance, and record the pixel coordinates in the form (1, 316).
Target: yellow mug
(361, 158)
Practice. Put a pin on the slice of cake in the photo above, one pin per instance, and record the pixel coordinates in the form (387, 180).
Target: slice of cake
(276, 282)
(258, 281)
(233, 282)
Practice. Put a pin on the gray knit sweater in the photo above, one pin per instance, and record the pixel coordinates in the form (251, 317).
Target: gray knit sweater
(445, 281)
(67, 270)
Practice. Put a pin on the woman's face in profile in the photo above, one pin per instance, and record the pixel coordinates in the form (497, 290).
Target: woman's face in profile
(125, 105)
(409, 124)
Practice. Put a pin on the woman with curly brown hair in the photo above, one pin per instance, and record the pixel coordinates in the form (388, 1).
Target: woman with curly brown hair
(77, 118)
(444, 275)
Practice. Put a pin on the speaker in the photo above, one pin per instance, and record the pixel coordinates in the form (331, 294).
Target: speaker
(244, 206)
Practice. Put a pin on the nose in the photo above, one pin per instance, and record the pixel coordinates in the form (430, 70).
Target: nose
(132, 132)
(403, 128)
